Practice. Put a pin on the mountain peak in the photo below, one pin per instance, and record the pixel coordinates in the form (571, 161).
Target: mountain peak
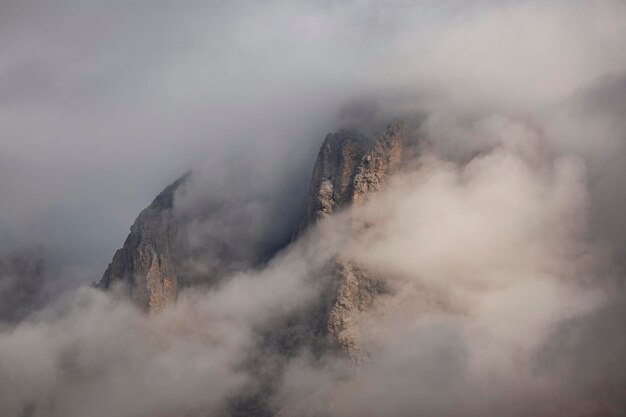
(350, 167)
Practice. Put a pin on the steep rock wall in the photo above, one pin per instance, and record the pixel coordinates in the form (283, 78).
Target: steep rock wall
(348, 170)
(144, 265)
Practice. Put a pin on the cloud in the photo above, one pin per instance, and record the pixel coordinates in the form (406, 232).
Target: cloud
(97, 354)
(501, 243)
(487, 259)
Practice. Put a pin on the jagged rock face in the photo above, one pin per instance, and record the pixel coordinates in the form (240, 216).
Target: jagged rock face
(145, 263)
(164, 251)
(349, 168)
(332, 184)
(379, 162)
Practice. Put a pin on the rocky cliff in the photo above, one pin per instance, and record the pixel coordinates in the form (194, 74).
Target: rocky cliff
(145, 265)
(350, 167)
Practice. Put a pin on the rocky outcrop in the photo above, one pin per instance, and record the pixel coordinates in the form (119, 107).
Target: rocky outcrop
(145, 265)
(349, 169)
(332, 183)
(382, 160)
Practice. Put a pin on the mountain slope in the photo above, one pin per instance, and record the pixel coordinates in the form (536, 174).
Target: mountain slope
(349, 168)
(144, 264)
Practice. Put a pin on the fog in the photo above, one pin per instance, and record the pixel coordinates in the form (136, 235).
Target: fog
(501, 242)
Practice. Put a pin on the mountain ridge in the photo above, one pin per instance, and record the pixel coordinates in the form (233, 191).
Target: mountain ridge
(349, 169)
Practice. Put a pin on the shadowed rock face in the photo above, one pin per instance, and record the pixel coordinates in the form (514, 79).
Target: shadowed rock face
(145, 263)
(332, 184)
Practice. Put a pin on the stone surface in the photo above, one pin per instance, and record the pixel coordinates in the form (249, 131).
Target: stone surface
(144, 265)
(350, 167)
(332, 183)
(348, 170)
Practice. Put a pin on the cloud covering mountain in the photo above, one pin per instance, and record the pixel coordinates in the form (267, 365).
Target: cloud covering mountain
(499, 243)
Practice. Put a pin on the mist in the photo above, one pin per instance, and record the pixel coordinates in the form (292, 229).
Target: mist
(500, 243)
